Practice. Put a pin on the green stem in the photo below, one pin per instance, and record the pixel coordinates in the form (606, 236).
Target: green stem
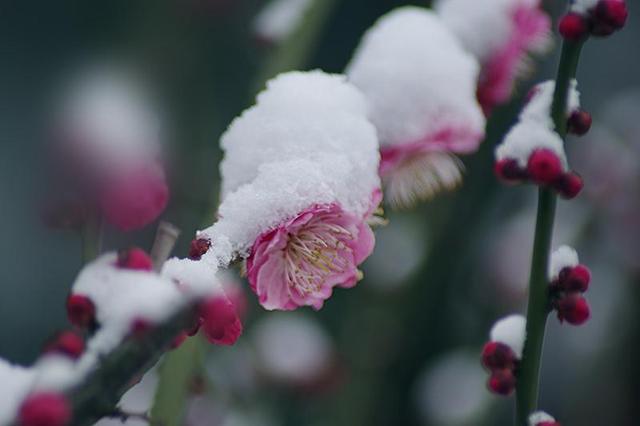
(537, 309)
(91, 235)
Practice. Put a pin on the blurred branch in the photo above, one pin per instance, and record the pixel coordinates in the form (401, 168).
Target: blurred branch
(537, 309)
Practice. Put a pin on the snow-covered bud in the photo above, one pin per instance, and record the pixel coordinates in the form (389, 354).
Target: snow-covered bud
(45, 409)
(544, 167)
(81, 311)
(608, 16)
(496, 356)
(508, 170)
(220, 322)
(67, 343)
(134, 258)
(569, 185)
(579, 123)
(421, 87)
(573, 308)
(574, 26)
(198, 247)
(540, 418)
(518, 28)
(510, 331)
(502, 382)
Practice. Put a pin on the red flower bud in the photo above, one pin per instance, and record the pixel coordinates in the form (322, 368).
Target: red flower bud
(544, 166)
(44, 409)
(576, 279)
(573, 308)
(609, 16)
(502, 382)
(573, 26)
(579, 122)
(549, 424)
(508, 170)
(221, 324)
(67, 343)
(497, 356)
(81, 311)
(134, 258)
(569, 185)
(199, 246)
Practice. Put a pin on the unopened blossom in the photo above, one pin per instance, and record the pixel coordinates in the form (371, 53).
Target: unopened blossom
(501, 34)
(45, 409)
(502, 354)
(420, 84)
(595, 17)
(107, 149)
(569, 280)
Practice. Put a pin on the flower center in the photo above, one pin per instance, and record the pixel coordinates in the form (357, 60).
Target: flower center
(314, 253)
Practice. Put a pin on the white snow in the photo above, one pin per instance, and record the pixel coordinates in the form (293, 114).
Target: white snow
(538, 108)
(301, 115)
(108, 114)
(483, 27)
(561, 258)
(417, 77)
(539, 417)
(583, 6)
(279, 18)
(15, 384)
(511, 331)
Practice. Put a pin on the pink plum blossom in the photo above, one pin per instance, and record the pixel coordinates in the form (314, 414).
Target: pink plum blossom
(300, 261)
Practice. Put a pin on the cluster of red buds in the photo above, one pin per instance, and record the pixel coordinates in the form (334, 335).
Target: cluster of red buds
(199, 246)
(603, 19)
(501, 355)
(566, 293)
(544, 168)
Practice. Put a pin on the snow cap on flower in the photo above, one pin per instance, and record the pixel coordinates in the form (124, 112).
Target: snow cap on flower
(540, 418)
(279, 18)
(511, 331)
(418, 80)
(300, 115)
(517, 28)
(561, 258)
(420, 85)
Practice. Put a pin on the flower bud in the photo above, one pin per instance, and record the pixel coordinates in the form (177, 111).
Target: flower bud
(81, 311)
(573, 26)
(609, 16)
(221, 324)
(579, 122)
(544, 166)
(134, 258)
(502, 382)
(44, 409)
(496, 356)
(199, 246)
(508, 170)
(575, 279)
(66, 343)
(569, 185)
(573, 308)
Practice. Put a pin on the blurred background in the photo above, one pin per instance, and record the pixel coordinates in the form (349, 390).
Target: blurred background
(400, 348)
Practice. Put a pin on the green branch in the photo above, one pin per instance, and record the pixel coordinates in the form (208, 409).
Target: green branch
(537, 309)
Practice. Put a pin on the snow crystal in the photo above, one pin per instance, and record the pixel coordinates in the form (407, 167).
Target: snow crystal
(301, 115)
(108, 115)
(583, 6)
(539, 417)
(471, 20)
(527, 136)
(280, 18)
(280, 191)
(538, 108)
(417, 78)
(511, 331)
(15, 385)
(562, 257)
